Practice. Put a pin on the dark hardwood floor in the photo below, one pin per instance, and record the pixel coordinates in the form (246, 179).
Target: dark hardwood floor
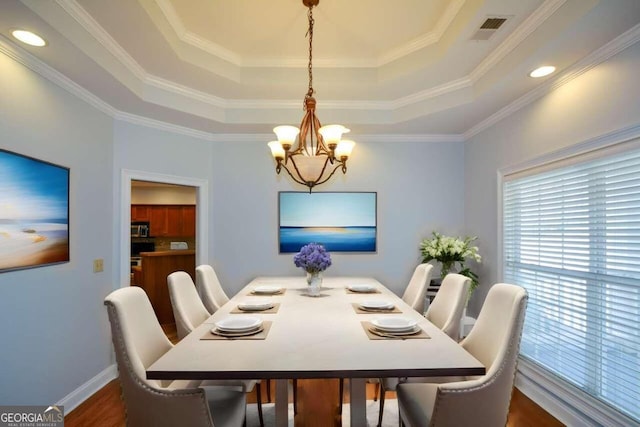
(317, 405)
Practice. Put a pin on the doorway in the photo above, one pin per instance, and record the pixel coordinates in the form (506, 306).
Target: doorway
(129, 179)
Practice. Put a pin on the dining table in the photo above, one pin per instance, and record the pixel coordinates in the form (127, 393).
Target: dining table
(324, 336)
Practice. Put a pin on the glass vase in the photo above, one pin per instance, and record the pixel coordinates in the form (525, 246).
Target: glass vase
(446, 268)
(314, 280)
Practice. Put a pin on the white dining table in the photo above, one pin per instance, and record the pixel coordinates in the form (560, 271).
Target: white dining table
(315, 337)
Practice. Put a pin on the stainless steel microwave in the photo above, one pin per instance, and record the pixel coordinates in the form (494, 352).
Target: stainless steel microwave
(139, 230)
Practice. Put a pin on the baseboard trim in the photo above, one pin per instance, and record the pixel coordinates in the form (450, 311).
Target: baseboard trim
(72, 400)
(566, 403)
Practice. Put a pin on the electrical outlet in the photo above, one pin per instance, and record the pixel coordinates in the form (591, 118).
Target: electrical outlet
(98, 265)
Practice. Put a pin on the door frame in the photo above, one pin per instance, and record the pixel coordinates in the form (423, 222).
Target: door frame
(202, 212)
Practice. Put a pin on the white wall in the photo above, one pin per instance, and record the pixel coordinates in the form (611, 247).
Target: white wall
(604, 99)
(52, 321)
(168, 195)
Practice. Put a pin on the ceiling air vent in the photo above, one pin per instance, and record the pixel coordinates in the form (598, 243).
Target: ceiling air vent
(489, 27)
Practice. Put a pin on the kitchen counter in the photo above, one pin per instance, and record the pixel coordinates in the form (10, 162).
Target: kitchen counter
(152, 277)
(169, 253)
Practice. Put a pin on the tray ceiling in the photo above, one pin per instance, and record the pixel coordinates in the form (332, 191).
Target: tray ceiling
(410, 67)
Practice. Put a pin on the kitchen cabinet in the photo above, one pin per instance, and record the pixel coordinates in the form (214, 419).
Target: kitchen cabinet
(169, 220)
(139, 213)
(189, 220)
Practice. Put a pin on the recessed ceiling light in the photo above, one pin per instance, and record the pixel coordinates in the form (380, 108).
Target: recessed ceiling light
(542, 71)
(29, 38)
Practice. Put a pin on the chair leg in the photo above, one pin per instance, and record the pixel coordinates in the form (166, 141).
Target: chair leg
(268, 391)
(259, 401)
(376, 392)
(295, 397)
(382, 393)
(341, 393)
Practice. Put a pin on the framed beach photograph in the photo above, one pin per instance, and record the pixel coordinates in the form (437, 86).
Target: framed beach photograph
(340, 221)
(34, 212)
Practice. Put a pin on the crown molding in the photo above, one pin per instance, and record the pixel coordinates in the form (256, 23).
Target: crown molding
(178, 89)
(433, 92)
(89, 24)
(537, 18)
(598, 56)
(25, 58)
(425, 40)
(160, 125)
(236, 59)
(82, 17)
(398, 138)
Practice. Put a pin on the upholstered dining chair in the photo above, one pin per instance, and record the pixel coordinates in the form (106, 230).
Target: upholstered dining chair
(445, 312)
(482, 401)
(416, 290)
(448, 305)
(414, 295)
(209, 288)
(138, 341)
(189, 313)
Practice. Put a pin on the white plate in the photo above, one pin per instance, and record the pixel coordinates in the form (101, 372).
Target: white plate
(361, 288)
(376, 304)
(255, 305)
(267, 289)
(394, 323)
(238, 323)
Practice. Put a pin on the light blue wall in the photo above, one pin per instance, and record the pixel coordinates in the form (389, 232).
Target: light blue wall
(604, 99)
(419, 186)
(52, 322)
(413, 199)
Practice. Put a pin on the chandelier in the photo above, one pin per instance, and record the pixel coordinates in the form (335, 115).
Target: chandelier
(312, 153)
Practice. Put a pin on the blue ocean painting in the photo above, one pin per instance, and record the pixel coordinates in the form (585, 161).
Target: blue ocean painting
(341, 222)
(34, 212)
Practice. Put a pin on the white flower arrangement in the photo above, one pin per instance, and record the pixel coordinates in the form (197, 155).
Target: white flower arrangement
(451, 250)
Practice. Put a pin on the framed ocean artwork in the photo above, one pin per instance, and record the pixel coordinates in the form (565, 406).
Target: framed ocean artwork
(340, 221)
(34, 212)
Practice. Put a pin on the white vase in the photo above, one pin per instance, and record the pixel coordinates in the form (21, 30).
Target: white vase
(314, 280)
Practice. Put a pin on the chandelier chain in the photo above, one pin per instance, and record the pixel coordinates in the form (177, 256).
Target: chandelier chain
(310, 35)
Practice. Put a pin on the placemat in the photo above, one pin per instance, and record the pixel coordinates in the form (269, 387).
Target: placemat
(375, 291)
(361, 310)
(271, 310)
(259, 336)
(422, 335)
(253, 294)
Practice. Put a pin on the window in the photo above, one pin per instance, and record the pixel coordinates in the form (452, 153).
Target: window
(571, 237)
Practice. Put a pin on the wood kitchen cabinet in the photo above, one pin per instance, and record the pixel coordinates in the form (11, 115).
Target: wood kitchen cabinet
(139, 213)
(189, 220)
(169, 220)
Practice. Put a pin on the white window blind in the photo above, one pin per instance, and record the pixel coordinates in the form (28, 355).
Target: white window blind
(571, 237)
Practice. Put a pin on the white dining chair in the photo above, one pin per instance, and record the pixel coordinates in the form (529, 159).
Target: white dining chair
(414, 295)
(209, 288)
(448, 305)
(189, 313)
(484, 400)
(213, 297)
(138, 341)
(416, 291)
(445, 312)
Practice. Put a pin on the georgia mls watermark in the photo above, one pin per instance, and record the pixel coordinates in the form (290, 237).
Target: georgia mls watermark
(32, 416)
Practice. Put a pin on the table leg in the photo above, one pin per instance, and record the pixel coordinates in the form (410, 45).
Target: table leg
(282, 403)
(358, 399)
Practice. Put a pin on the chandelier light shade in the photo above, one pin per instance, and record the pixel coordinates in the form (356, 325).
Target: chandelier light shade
(312, 153)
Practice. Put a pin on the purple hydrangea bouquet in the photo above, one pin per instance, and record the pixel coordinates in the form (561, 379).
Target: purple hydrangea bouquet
(313, 258)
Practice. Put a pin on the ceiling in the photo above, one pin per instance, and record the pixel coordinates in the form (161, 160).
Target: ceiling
(380, 67)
